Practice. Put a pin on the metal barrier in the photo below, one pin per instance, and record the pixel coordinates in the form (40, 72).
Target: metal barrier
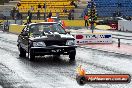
(119, 42)
(123, 38)
(7, 23)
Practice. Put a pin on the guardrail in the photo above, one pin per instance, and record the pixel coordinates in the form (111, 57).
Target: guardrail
(122, 37)
(125, 37)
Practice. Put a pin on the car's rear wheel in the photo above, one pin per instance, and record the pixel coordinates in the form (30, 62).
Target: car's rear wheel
(22, 52)
(72, 55)
(31, 55)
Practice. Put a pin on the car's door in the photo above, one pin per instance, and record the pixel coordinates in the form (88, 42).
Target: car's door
(24, 38)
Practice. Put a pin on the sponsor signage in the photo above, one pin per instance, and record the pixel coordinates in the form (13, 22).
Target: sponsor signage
(93, 38)
(82, 77)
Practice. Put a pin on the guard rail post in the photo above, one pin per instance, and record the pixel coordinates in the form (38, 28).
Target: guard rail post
(119, 42)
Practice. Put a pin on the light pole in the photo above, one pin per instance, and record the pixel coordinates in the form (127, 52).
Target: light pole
(118, 8)
(45, 11)
(92, 13)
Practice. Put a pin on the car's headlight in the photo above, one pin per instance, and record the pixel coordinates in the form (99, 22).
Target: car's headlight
(39, 44)
(70, 42)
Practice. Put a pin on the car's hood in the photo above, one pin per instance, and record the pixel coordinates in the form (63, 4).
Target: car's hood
(53, 37)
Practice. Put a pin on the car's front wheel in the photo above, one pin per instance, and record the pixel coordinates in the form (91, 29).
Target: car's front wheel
(72, 54)
(31, 55)
(22, 52)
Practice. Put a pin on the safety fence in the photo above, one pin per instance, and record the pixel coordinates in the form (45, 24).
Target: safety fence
(122, 39)
(109, 7)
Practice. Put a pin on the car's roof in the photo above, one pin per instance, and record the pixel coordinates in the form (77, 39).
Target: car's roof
(53, 17)
(121, 18)
(43, 23)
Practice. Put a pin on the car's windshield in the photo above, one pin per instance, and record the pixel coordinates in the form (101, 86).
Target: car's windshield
(56, 19)
(39, 29)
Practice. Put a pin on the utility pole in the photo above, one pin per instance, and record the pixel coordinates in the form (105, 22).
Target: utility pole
(118, 7)
(45, 10)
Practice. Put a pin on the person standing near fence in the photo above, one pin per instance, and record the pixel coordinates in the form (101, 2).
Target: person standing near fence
(50, 19)
(86, 20)
(57, 15)
(29, 18)
(50, 14)
(18, 15)
(38, 15)
(13, 13)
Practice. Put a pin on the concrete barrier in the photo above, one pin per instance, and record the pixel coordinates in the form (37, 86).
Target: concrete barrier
(73, 23)
(15, 28)
(68, 23)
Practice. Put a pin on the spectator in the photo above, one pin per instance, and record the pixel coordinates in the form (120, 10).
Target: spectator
(44, 6)
(15, 15)
(44, 16)
(73, 4)
(57, 15)
(28, 12)
(16, 8)
(72, 10)
(65, 10)
(124, 17)
(5, 26)
(78, 1)
(12, 14)
(69, 16)
(50, 14)
(92, 25)
(13, 11)
(18, 4)
(129, 18)
(86, 20)
(50, 19)
(29, 16)
(38, 15)
(4, 17)
(27, 21)
(32, 8)
(18, 15)
(84, 12)
(39, 6)
(21, 17)
(72, 15)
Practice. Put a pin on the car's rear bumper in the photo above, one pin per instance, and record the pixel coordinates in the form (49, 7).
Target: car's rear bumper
(53, 50)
